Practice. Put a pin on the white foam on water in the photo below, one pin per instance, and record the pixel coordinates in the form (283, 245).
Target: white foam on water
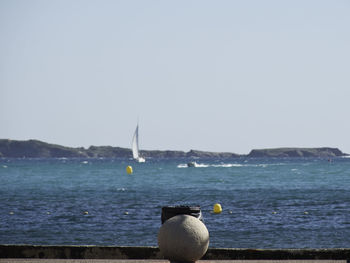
(203, 165)
(228, 165)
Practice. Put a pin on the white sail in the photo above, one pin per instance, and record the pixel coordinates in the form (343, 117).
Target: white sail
(135, 146)
(135, 143)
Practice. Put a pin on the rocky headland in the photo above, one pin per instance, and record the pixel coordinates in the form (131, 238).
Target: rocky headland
(297, 152)
(39, 149)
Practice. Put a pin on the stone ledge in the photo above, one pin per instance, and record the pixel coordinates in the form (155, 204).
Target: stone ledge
(127, 253)
(35, 260)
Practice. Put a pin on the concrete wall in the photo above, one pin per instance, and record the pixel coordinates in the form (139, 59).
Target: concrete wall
(98, 252)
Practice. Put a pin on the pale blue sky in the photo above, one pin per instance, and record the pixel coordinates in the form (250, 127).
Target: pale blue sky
(208, 75)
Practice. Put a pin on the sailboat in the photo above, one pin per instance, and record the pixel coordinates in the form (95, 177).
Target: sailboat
(135, 146)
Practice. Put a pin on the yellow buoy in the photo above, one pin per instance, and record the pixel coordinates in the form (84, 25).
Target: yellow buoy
(217, 209)
(129, 169)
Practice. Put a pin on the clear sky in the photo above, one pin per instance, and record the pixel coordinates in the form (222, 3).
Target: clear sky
(208, 75)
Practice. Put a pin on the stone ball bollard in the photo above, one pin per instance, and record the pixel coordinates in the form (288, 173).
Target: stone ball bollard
(183, 238)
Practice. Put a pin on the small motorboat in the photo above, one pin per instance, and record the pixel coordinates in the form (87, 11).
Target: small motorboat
(192, 164)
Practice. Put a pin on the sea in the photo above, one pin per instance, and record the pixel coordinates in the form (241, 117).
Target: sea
(267, 203)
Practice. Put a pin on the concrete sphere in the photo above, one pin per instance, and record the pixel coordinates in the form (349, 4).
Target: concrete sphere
(183, 238)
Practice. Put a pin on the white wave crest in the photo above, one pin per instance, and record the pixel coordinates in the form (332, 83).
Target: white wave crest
(203, 165)
(228, 165)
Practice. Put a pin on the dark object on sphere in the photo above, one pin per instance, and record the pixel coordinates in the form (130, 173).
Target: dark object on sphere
(171, 211)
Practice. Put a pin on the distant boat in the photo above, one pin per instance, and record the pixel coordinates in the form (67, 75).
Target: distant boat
(192, 164)
(135, 146)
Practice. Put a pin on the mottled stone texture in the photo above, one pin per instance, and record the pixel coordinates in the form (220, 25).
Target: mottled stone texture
(153, 253)
(183, 238)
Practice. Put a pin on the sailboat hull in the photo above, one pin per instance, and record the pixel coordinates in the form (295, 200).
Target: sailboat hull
(141, 160)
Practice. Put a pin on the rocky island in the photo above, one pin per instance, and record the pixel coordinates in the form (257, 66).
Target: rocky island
(326, 152)
(39, 149)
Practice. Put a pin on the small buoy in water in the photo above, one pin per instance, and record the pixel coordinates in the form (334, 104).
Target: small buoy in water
(129, 169)
(306, 213)
(11, 213)
(217, 209)
(230, 212)
(126, 213)
(86, 213)
(274, 212)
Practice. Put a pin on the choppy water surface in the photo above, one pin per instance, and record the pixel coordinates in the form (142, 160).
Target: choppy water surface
(267, 203)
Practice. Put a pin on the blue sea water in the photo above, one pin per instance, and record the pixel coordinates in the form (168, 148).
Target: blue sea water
(267, 203)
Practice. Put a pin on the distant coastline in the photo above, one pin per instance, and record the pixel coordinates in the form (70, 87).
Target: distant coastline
(38, 149)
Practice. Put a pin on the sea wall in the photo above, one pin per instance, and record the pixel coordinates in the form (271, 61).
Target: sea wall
(109, 252)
